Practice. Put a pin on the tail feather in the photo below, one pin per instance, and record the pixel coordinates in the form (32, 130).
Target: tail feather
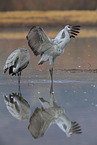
(39, 63)
(43, 59)
(10, 70)
(5, 70)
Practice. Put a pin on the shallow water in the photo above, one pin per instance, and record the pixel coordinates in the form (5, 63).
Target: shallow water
(74, 90)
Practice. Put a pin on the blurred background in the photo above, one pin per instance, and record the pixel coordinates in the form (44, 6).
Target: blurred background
(9, 5)
(75, 71)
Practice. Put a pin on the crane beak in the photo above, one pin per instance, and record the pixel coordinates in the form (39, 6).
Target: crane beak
(74, 31)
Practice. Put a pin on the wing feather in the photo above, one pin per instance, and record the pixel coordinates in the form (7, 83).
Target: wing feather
(11, 60)
(75, 128)
(38, 41)
(39, 122)
(18, 59)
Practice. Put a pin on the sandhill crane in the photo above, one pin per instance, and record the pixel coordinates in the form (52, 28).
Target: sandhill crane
(48, 48)
(16, 62)
(17, 106)
(51, 113)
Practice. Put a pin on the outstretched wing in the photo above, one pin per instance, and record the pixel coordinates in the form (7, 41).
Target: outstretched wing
(68, 126)
(38, 41)
(74, 31)
(39, 122)
(75, 128)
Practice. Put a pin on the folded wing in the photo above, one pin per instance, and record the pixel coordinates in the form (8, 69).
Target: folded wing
(11, 60)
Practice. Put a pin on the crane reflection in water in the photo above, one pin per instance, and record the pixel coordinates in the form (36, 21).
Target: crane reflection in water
(41, 118)
(50, 113)
(17, 106)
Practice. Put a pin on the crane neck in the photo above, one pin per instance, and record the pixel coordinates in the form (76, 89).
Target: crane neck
(63, 38)
(64, 41)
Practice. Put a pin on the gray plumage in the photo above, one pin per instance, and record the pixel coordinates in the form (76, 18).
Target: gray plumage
(48, 48)
(50, 113)
(17, 61)
(17, 106)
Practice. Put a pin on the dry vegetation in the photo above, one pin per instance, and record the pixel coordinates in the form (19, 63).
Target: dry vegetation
(51, 34)
(47, 18)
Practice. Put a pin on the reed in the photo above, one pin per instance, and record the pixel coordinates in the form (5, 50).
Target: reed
(48, 17)
(51, 34)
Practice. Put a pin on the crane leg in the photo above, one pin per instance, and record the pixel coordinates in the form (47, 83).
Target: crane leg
(19, 89)
(51, 75)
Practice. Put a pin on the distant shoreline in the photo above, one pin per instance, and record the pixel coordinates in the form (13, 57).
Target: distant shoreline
(16, 33)
(16, 19)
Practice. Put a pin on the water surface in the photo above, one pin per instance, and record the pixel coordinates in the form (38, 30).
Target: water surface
(75, 91)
